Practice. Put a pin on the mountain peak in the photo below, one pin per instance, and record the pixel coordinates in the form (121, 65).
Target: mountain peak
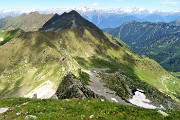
(73, 15)
(34, 13)
(74, 12)
(68, 20)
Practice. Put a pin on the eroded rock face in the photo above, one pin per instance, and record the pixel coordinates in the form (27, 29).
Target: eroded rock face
(71, 87)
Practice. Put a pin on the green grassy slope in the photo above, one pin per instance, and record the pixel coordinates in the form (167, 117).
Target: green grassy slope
(165, 50)
(7, 36)
(35, 57)
(159, 41)
(26, 22)
(75, 109)
(28, 61)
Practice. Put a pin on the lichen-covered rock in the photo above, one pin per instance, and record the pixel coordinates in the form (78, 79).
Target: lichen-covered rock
(71, 87)
(30, 117)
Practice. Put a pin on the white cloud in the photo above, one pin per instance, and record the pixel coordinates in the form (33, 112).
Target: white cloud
(95, 4)
(171, 2)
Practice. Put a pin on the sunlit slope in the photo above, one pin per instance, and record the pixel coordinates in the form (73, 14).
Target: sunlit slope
(36, 57)
(7, 36)
(27, 22)
(159, 41)
(30, 60)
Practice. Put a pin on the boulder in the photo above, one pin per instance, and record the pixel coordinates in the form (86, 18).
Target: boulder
(30, 117)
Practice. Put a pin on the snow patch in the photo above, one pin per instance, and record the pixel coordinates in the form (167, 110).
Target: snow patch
(3, 110)
(74, 24)
(43, 91)
(114, 99)
(139, 99)
(140, 90)
(163, 113)
(1, 39)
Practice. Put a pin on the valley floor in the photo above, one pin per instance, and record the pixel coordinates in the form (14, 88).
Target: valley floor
(75, 109)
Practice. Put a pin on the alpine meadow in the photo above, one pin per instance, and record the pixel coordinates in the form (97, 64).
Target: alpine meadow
(89, 62)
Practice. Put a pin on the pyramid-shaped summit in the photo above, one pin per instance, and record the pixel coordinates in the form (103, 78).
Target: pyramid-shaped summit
(67, 20)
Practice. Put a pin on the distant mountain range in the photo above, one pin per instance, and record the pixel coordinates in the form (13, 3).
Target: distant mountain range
(105, 18)
(160, 41)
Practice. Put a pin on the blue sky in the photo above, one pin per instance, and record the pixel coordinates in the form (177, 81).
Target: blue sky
(103, 4)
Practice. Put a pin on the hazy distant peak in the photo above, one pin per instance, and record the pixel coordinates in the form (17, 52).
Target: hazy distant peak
(34, 13)
(85, 9)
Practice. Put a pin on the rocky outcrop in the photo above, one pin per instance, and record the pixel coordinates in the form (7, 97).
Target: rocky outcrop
(71, 87)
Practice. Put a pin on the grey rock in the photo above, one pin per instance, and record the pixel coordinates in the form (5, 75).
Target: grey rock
(35, 96)
(30, 117)
(54, 97)
(71, 87)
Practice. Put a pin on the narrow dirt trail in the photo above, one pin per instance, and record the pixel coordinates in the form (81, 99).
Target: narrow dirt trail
(99, 88)
(163, 79)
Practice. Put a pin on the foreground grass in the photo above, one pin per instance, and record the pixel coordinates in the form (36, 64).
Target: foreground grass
(76, 109)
